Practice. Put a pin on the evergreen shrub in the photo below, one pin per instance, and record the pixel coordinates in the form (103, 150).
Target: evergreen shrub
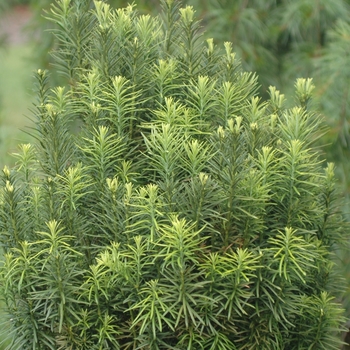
(164, 205)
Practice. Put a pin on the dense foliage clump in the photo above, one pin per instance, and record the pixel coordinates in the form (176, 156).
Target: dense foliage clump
(164, 205)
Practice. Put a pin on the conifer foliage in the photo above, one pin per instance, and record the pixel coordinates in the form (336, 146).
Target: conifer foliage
(164, 205)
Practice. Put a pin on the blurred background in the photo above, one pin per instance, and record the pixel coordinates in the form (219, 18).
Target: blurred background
(16, 66)
(281, 40)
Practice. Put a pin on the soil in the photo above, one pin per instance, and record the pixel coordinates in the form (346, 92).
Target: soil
(13, 25)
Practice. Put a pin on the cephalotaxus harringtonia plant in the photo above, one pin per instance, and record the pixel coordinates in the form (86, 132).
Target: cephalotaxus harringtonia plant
(164, 205)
